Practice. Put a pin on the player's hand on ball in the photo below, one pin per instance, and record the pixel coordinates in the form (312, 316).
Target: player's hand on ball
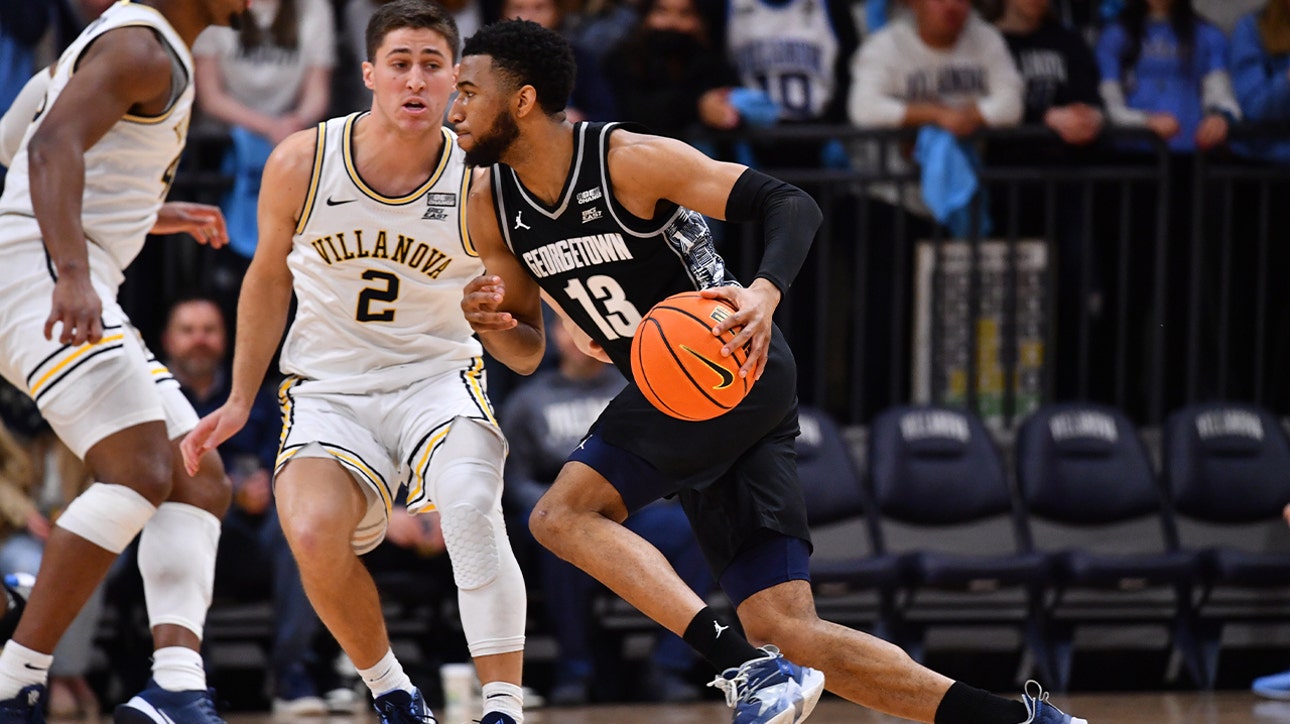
(479, 302)
(755, 311)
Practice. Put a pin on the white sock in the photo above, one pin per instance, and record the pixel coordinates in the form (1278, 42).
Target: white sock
(176, 668)
(386, 676)
(504, 698)
(20, 666)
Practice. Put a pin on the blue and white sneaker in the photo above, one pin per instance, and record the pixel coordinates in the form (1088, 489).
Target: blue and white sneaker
(155, 705)
(400, 707)
(1041, 712)
(496, 717)
(1274, 686)
(28, 707)
(770, 690)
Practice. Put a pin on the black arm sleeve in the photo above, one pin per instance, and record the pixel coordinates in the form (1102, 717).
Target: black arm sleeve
(789, 219)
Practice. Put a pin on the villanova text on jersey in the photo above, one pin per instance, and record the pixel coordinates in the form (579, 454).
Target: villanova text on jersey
(420, 256)
(933, 84)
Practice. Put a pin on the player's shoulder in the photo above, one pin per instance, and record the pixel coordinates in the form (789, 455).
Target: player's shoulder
(296, 154)
(481, 184)
(637, 150)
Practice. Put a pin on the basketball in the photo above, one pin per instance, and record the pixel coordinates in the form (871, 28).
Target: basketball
(677, 363)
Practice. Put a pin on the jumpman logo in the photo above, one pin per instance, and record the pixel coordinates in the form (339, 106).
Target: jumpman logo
(719, 629)
(519, 223)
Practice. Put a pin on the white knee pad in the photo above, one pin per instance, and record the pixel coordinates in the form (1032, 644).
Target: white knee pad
(467, 489)
(107, 515)
(177, 560)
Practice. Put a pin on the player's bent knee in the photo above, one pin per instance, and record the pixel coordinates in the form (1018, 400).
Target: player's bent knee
(109, 516)
(177, 560)
(209, 490)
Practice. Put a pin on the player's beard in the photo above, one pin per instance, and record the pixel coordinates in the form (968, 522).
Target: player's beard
(235, 22)
(488, 149)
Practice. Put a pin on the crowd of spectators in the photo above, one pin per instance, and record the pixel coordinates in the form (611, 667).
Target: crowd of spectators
(1188, 71)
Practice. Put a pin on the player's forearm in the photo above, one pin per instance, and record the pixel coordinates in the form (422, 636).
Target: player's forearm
(261, 318)
(519, 348)
(57, 172)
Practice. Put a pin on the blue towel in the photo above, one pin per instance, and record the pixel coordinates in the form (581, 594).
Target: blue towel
(875, 15)
(949, 179)
(245, 161)
(755, 106)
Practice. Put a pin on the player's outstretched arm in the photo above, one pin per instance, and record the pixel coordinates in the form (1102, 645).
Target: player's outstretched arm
(646, 169)
(124, 68)
(266, 292)
(503, 306)
(203, 222)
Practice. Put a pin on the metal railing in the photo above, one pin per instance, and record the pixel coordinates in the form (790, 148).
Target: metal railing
(1147, 296)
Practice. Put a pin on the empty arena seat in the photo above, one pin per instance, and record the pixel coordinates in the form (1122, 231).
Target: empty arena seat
(1227, 471)
(1096, 508)
(936, 476)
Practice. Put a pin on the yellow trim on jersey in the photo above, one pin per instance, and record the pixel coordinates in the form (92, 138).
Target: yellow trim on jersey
(466, 243)
(415, 492)
(474, 381)
(348, 154)
(315, 177)
(35, 387)
(357, 463)
(284, 404)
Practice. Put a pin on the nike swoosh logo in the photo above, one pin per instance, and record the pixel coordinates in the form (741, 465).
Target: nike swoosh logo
(494, 696)
(727, 377)
(35, 668)
(334, 202)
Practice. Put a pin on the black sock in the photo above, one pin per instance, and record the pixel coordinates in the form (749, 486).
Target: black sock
(722, 646)
(965, 705)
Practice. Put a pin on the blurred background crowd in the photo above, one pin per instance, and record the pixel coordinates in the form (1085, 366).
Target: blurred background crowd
(1093, 130)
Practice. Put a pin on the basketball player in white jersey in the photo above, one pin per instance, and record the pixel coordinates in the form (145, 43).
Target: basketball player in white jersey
(364, 218)
(87, 183)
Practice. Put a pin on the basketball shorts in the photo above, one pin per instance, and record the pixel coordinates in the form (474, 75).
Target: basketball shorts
(735, 475)
(386, 440)
(85, 392)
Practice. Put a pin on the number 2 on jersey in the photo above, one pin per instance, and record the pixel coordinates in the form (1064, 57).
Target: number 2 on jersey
(375, 294)
(620, 317)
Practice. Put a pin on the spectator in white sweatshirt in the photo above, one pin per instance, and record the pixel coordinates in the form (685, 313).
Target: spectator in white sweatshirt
(947, 67)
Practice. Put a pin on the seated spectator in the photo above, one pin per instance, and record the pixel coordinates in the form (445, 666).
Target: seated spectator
(592, 99)
(266, 81)
(948, 73)
(1165, 68)
(1260, 67)
(1059, 71)
(799, 53)
(253, 557)
(544, 421)
(667, 75)
(947, 68)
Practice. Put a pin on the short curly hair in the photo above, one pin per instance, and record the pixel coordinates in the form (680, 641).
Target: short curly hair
(529, 54)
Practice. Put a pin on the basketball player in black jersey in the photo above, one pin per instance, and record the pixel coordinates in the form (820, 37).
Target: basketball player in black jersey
(605, 221)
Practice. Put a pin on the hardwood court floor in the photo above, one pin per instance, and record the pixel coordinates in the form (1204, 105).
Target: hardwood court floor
(1169, 708)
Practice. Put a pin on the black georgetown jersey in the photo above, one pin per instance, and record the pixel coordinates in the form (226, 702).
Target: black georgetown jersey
(605, 267)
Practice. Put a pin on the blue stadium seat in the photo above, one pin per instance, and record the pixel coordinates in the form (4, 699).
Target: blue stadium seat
(834, 493)
(1227, 470)
(1096, 508)
(936, 471)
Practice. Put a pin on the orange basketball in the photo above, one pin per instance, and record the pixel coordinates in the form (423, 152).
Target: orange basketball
(677, 362)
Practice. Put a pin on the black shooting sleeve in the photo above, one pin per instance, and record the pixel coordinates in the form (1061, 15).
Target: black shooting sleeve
(789, 219)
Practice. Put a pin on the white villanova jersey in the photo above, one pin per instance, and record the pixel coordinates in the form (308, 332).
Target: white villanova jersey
(378, 280)
(128, 172)
(789, 49)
